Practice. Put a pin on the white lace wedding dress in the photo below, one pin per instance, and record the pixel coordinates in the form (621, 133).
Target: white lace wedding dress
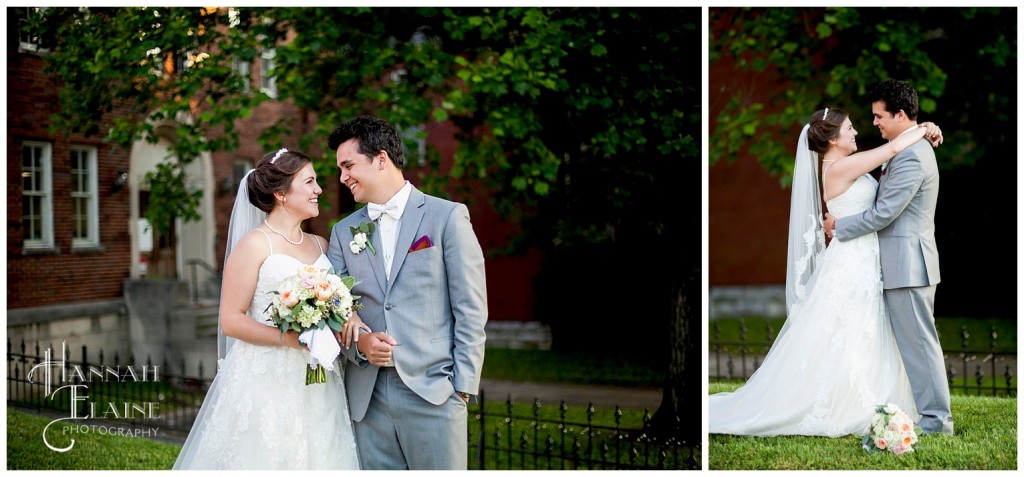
(260, 414)
(835, 358)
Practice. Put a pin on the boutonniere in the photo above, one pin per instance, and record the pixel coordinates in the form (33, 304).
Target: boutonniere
(361, 238)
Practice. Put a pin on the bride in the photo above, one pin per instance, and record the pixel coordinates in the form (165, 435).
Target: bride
(835, 358)
(259, 413)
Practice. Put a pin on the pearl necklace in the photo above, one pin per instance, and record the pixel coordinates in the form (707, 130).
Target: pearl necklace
(302, 235)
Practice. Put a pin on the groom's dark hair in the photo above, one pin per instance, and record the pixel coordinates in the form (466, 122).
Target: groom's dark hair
(374, 135)
(896, 95)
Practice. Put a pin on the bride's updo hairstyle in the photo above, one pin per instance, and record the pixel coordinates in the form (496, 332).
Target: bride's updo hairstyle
(824, 127)
(273, 174)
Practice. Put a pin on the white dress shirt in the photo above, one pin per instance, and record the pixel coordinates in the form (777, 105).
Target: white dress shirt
(911, 128)
(389, 226)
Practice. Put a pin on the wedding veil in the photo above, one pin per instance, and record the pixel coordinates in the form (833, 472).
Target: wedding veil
(806, 234)
(244, 218)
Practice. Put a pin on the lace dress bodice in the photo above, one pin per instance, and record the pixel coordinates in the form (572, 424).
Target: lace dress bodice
(854, 200)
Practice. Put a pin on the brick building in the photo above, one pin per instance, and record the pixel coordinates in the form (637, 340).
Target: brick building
(76, 238)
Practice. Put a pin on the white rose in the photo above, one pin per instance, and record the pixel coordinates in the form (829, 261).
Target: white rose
(354, 247)
(360, 239)
(345, 301)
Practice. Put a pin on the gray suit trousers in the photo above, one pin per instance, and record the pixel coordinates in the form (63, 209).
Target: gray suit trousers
(402, 430)
(913, 325)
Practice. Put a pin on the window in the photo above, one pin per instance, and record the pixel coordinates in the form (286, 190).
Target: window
(187, 60)
(243, 69)
(179, 62)
(268, 84)
(84, 197)
(416, 135)
(27, 41)
(37, 198)
(241, 167)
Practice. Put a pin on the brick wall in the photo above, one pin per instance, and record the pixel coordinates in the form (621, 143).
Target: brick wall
(748, 211)
(61, 275)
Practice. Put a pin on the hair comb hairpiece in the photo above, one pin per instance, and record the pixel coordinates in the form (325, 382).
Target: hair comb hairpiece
(279, 154)
(823, 116)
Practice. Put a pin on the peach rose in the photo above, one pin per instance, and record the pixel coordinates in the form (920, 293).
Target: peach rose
(323, 291)
(289, 298)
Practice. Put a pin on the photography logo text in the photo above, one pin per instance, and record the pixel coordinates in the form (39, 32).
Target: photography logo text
(61, 380)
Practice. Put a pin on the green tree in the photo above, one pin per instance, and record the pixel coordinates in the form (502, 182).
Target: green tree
(832, 56)
(578, 120)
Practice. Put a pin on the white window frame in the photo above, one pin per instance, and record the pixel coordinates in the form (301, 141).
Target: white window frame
(412, 133)
(45, 192)
(268, 82)
(92, 237)
(180, 60)
(30, 45)
(244, 69)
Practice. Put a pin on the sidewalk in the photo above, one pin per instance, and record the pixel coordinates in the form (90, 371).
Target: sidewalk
(551, 394)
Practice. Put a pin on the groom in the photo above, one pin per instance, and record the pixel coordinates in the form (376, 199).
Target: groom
(904, 217)
(421, 279)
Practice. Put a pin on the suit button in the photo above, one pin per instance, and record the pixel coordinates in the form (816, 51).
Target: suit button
(387, 307)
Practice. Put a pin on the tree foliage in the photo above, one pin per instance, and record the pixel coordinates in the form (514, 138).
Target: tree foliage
(833, 56)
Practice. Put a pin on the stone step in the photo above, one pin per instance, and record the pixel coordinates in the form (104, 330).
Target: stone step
(195, 322)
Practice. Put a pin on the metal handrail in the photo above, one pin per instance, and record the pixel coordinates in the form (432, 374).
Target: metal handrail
(192, 263)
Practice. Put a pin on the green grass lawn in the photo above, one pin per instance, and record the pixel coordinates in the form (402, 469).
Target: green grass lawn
(986, 439)
(92, 451)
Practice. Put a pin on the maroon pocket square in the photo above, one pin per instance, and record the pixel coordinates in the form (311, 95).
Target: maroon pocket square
(420, 244)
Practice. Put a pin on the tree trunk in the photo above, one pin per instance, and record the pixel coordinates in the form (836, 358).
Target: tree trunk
(682, 386)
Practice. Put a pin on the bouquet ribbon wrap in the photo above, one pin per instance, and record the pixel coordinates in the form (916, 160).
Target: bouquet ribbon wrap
(323, 350)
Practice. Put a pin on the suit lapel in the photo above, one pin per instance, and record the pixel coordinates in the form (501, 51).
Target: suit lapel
(885, 175)
(411, 218)
(376, 260)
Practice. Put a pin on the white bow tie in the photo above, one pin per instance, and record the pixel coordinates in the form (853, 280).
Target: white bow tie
(375, 211)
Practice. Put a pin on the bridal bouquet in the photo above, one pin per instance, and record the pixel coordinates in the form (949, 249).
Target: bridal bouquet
(313, 302)
(891, 430)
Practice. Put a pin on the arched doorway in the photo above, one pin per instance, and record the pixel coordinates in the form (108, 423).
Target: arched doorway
(166, 255)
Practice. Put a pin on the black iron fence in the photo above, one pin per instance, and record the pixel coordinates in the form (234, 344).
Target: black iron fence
(511, 438)
(975, 369)
(127, 392)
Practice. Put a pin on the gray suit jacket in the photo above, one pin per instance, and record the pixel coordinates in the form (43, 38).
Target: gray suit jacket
(435, 305)
(904, 217)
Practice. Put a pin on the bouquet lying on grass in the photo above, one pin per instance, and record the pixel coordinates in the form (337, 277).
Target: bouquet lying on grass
(892, 430)
(313, 303)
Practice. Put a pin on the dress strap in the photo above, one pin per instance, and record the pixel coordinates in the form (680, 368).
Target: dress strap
(269, 242)
(824, 193)
(321, 247)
